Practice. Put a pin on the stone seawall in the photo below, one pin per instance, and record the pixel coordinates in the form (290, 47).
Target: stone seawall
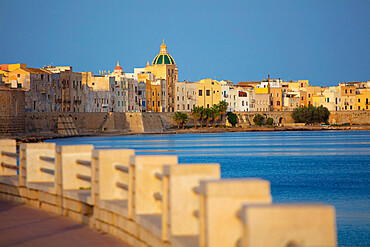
(16, 122)
(12, 110)
(351, 117)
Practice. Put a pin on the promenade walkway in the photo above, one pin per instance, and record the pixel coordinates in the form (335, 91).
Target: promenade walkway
(24, 226)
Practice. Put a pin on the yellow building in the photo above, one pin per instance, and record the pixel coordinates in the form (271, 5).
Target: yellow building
(164, 67)
(5, 69)
(208, 93)
(318, 100)
(363, 100)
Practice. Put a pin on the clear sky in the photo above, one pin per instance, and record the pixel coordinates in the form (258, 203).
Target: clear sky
(324, 41)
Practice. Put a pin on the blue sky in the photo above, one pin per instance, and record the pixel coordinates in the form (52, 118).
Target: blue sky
(324, 41)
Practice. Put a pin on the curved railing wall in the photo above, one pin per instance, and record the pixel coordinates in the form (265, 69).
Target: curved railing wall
(154, 201)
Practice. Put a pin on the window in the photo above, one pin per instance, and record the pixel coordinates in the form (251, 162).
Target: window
(345, 91)
(278, 103)
(208, 92)
(118, 93)
(358, 100)
(350, 91)
(159, 103)
(242, 103)
(302, 97)
(178, 98)
(200, 93)
(207, 105)
(118, 103)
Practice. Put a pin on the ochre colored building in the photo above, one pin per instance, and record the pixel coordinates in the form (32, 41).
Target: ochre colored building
(363, 100)
(208, 93)
(164, 67)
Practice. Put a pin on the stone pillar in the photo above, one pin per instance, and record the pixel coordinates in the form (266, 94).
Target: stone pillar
(180, 200)
(144, 184)
(220, 203)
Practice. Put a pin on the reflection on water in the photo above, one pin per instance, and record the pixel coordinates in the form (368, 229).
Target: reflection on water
(321, 166)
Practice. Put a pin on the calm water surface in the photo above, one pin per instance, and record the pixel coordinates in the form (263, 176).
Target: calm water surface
(321, 166)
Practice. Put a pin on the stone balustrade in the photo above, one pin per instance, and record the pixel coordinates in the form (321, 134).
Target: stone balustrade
(154, 201)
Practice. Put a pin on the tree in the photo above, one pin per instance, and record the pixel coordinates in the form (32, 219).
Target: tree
(232, 118)
(269, 121)
(310, 114)
(258, 119)
(181, 119)
(209, 112)
(198, 113)
(216, 113)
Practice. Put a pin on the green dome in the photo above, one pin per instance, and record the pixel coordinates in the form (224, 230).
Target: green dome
(163, 59)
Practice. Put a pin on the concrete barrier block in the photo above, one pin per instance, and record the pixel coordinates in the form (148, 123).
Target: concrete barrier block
(67, 157)
(179, 199)
(32, 162)
(288, 225)
(143, 179)
(108, 173)
(220, 202)
(7, 145)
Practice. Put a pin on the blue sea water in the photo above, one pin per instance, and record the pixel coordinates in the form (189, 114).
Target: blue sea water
(331, 167)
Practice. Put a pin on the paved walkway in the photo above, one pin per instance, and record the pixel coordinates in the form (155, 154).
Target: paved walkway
(24, 226)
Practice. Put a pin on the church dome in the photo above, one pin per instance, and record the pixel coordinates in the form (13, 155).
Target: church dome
(118, 69)
(163, 57)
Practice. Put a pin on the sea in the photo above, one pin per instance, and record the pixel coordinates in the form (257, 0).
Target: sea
(331, 167)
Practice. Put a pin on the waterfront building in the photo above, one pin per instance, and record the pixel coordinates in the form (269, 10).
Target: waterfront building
(208, 93)
(243, 101)
(186, 96)
(164, 67)
(154, 92)
(363, 99)
(35, 82)
(276, 98)
(332, 98)
(348, 97)
(291, 100)
(120, 89)
(262, 98)
(233, 99)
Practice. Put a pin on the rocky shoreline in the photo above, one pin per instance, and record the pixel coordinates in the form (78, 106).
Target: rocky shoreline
(40, 137)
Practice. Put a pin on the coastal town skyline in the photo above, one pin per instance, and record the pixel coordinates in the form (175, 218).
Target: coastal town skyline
(325, 43)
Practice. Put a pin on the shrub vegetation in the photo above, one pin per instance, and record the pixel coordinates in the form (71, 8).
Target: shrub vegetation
(258, 119)
(311, 114)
